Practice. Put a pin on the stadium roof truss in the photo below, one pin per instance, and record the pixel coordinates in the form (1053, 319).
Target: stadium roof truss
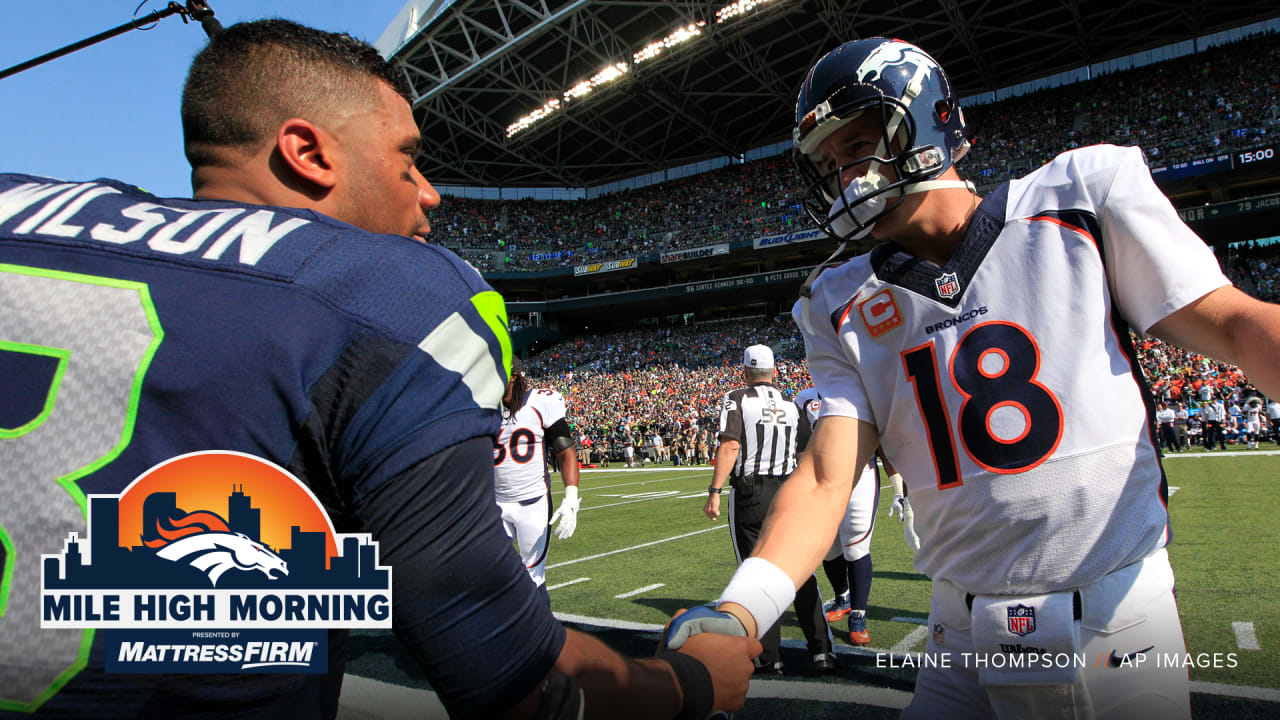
(478, 66)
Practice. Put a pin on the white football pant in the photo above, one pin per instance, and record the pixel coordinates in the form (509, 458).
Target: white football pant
(1130, 638)
(528, 525)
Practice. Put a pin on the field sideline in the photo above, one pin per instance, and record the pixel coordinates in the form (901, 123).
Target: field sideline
(643, 550)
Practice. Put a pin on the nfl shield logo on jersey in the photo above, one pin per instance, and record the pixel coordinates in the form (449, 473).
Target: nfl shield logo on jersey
(1022, 620)
(948, 286)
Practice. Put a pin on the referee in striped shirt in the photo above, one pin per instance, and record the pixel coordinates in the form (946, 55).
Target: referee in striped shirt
(758, 428)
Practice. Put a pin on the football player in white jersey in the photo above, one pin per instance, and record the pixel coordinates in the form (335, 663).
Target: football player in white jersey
(984, 345)
(533, 422)
(1253, 422)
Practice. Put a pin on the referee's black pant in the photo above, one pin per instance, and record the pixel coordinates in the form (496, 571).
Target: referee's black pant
(749, 503)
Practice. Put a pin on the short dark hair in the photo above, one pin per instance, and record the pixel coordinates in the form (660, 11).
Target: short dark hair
(253, 76)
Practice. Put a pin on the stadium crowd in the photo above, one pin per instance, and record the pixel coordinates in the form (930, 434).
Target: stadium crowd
(659, 390)
(1190, 107)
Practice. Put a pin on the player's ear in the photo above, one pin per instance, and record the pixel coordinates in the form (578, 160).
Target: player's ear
(309, 152)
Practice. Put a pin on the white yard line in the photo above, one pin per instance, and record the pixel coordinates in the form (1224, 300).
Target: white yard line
(1222, 453)
(672, 495)
(566, 584)
(636, 547)
(1246, 638)
(639, 591)
(911, 640)
(591, 488)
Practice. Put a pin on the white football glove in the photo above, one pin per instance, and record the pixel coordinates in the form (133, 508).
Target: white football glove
(899, 498)
(567, 513)
(898, 506)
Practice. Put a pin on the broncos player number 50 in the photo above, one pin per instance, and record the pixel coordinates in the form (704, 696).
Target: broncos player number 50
(101, 334)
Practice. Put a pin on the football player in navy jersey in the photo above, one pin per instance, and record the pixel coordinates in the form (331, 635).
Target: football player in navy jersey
(293, 313)
(984, 344)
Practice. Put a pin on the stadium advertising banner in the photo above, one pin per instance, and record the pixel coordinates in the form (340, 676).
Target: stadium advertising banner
(799, 236)
(604, 267)
(746, 281)
(694, 253)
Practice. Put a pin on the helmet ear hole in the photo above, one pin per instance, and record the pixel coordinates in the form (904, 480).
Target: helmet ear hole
(943, 110)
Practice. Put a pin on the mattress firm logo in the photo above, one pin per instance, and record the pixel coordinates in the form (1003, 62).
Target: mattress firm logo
(214, 562)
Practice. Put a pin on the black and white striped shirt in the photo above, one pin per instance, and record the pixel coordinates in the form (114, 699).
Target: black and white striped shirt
(765, 423)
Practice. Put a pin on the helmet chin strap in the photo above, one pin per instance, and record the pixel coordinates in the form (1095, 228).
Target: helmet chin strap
(928, 185)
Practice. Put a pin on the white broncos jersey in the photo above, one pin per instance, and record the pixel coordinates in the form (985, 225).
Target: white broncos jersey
(1004, 385)
(519, 457)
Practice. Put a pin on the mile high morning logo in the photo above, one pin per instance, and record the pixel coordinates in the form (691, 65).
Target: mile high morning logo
(214, 562)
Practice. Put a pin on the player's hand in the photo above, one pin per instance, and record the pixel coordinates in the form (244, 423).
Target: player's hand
(712, 508)
(729, 660)
(899, 504)
(688, 623)
(567, 513)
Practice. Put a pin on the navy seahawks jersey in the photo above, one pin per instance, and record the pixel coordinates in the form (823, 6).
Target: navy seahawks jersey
(1004, 385)
(135, 329)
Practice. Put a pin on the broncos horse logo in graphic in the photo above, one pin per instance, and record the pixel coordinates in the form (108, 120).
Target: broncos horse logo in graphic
(203, 540)
(893, 54)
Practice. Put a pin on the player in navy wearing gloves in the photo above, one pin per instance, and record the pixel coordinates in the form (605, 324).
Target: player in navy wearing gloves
(984, 344)
(296, 315)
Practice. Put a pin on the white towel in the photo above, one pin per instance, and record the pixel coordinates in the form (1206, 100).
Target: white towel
(1026, 639)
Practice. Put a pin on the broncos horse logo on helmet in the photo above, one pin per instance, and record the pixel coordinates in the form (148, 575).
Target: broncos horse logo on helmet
(921, 122)
(203, 540)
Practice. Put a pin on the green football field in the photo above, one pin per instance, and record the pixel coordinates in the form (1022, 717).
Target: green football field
(643, 549)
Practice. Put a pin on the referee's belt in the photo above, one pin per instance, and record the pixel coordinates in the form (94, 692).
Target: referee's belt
(1075, 603)
(779, 478)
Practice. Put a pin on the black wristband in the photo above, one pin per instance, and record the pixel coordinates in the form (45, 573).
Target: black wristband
(713, 490)
(695, 682)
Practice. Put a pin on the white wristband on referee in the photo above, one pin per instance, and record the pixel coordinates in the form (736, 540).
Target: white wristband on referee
(763, 589)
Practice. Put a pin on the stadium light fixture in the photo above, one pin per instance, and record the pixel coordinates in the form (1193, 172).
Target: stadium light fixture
(679, 36)
(737, 8)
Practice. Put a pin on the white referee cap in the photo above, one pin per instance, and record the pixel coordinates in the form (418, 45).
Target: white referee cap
(758, 356)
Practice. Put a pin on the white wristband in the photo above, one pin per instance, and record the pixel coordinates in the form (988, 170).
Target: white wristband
(570, 493)
(763, 589)
(896, 481)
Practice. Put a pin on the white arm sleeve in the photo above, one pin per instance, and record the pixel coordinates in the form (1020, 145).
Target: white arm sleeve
(1155, 264)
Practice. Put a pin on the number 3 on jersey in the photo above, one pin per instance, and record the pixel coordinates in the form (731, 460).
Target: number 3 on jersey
(994, 367)
(104, 333)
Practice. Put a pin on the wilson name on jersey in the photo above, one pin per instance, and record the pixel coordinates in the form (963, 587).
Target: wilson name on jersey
(1004, 386)
(519, 456)
(765, 423)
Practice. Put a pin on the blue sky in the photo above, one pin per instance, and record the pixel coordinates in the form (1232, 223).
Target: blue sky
(111, 110)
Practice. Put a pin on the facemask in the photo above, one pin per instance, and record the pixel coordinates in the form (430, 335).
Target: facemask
(867, 211)
(864, 212)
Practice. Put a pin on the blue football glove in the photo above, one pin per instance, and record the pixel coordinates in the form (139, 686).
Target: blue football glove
(700, 620)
